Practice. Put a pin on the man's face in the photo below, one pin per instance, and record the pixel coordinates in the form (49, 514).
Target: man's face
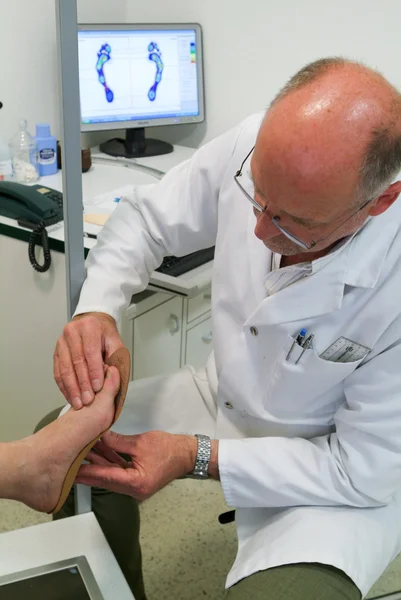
(305, 168)
(310, 201)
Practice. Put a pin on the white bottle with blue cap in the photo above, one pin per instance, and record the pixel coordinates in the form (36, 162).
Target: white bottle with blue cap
(47, 150)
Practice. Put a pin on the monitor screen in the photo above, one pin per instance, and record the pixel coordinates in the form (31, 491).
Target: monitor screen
(140, 75)
(67, 579)
(58, 585)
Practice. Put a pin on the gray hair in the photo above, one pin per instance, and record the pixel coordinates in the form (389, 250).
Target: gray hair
(382, 159)
(381, 163)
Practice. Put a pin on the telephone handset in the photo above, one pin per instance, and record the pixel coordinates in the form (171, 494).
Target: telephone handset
(35, 207)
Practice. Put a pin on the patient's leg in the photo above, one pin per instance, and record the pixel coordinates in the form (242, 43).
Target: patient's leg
(32, 470)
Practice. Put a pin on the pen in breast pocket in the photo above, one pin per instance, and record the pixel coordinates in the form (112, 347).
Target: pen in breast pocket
(301, 336)
(298, 340)
(305, 346)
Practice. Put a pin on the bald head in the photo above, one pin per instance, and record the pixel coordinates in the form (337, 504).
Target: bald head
(340, 116)
(330, 141)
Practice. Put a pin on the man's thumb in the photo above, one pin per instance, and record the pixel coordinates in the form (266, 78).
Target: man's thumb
(118, 442)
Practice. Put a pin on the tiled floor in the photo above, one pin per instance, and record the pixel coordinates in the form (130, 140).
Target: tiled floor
(187, 553)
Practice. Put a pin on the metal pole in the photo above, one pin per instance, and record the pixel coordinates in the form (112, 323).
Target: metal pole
(67, 26)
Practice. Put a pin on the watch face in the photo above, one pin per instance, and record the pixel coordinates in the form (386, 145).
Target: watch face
(199, 475)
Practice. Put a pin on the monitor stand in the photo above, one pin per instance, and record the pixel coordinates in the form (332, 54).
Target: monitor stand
(135, 145)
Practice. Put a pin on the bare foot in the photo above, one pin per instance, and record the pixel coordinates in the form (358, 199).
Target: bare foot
(43, 459)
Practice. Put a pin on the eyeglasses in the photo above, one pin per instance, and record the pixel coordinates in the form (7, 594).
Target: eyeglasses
(275, 220)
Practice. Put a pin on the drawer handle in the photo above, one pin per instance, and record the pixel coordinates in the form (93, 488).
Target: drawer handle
(174, 324)
(207, 296)
(207, 338)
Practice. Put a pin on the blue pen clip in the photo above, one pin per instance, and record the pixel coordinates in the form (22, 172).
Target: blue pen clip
(298, 340)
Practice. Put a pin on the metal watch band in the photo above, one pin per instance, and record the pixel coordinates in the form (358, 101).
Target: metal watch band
(203, 457)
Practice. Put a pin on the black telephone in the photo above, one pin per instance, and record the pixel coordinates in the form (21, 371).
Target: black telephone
(34, 207)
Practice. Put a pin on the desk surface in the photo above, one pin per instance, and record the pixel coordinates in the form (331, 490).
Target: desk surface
(161, 164)
(101, 178)
(108, 174)
(58, 540)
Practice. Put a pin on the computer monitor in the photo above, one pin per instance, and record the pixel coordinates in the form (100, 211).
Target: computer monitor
(137, 76)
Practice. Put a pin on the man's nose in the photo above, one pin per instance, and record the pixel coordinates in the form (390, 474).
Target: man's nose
(264, 228)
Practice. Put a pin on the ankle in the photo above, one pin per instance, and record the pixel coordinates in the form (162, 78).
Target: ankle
(12, 470)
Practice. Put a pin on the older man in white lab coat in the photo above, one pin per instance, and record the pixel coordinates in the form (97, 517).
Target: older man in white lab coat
(300, 204)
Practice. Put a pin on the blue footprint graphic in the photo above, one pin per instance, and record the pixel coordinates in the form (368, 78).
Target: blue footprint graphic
(102, 57)
(155, 56)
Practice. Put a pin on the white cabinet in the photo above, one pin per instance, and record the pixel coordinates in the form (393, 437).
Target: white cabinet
(165, 332)
(157, 340)
(198, 306)
(198, 344)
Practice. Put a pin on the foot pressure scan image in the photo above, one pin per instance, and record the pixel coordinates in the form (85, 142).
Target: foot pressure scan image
(104, 55)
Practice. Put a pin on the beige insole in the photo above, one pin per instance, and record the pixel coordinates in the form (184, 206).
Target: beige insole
(120, 359)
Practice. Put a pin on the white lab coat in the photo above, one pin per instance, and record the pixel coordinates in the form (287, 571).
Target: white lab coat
(310, 454)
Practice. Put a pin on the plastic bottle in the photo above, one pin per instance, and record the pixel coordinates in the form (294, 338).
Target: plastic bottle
(6, 171)
(46, 145)
(23, 155)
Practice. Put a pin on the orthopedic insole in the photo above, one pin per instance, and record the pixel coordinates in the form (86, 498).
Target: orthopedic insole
(120, 359)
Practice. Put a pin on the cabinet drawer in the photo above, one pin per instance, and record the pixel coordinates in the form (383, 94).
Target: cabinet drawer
(199, 344)
(199, 305)
(157, 340)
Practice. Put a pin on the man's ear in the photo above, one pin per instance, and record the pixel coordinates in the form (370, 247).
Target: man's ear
(386, 199)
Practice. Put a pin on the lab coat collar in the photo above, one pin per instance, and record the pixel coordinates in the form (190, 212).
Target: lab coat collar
(359, 264)
(370, 248)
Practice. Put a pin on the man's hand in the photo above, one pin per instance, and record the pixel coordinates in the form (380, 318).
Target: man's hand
(157, 458)
(86, 343)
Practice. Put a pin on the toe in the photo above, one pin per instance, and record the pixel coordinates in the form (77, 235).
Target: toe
(112, 381)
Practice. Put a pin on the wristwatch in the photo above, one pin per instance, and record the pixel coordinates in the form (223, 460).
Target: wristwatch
(202, 458)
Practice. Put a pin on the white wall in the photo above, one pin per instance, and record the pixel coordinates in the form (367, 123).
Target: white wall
(252, 47)
(29, 80)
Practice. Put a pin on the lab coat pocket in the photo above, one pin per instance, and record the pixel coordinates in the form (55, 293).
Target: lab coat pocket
(309, 388)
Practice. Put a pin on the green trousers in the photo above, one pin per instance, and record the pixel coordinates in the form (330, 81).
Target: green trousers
(301, 581)
(118, 517)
